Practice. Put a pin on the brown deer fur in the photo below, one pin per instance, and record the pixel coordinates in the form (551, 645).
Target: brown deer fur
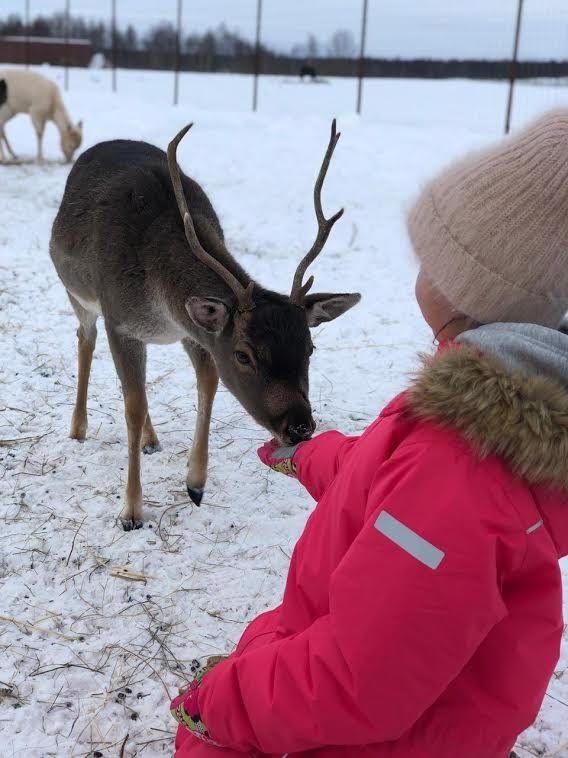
(123, 252)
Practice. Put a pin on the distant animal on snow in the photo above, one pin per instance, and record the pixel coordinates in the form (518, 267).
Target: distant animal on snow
(307, 70)
(139, 243)
(28, 92)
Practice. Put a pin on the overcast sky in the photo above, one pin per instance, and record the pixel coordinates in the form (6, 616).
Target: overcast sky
(480, 28)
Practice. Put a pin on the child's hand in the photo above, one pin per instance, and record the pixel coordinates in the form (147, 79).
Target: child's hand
(184, 708)
(278, 458)
(199, 671)
(185, 711)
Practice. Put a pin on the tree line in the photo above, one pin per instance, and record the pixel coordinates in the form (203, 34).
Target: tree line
(161, 38)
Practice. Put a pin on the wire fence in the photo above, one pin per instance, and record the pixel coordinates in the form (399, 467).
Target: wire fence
(117, 48)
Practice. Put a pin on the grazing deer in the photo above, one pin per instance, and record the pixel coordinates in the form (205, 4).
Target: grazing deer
(158, 273)
(28, 92)
(308, 70)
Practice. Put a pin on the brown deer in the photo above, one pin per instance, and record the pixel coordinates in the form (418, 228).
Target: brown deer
(157, 274)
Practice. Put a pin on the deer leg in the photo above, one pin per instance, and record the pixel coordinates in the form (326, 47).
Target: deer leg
(150, 442)
(8, 146)
(207, 382)
(86, 341)
(130, 361)
(2, 135)
(2, 140)
(5, 115)
(39, 126)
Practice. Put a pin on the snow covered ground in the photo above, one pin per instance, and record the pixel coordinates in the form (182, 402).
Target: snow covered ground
(88, 659)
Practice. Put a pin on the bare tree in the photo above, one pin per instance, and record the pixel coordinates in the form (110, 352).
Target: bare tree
(161, 38)
(41, 27)
(342, 44)
(12, 25)
(191, 44)
(312, 46)
(128, 40)
(308, 49)
(219, 41)
(231, 43)
(208, 44)
(57, 25)
(99, 34)
(298, 51)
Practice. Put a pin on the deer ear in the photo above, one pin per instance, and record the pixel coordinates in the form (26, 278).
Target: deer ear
(208, 313)
(325, 307)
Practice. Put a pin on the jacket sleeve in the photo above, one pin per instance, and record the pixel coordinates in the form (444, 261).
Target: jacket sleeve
(409, 604)
(318, 460)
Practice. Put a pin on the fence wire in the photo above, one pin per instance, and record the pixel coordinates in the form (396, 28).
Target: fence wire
(174, 45)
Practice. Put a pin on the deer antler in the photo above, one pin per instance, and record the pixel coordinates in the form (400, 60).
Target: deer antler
(243, 294)
(325, 225)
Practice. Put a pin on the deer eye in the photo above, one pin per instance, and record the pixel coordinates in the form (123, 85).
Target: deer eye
(242, 358)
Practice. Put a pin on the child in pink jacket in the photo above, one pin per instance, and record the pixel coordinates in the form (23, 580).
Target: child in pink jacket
(422, 615)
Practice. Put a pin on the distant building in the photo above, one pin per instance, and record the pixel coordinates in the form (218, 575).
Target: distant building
(54, 50)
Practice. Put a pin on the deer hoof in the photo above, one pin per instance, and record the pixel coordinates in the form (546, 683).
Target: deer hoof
(151, 447)
(195, 494)
(129, 524)
(78, 430)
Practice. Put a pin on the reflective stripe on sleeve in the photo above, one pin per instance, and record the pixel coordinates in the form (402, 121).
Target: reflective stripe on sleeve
(534, 527)
(409, 541)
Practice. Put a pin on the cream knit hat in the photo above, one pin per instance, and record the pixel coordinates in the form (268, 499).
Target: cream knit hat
(491, 231)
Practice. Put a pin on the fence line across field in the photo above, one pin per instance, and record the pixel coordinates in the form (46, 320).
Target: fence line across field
(359, 68)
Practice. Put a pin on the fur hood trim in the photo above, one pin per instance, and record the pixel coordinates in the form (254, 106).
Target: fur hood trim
(520, 418)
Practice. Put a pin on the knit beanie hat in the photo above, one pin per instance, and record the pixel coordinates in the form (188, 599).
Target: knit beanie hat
(491, 231)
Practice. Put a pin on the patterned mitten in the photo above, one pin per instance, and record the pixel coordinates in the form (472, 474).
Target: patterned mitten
(184, 708)
(278, 458)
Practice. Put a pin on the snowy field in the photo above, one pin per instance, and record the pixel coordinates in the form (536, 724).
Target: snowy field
(89, 657)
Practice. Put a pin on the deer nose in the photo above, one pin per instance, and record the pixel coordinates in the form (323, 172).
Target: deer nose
(300, 433)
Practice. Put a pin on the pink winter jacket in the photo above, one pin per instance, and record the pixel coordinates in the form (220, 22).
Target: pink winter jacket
(422, 616)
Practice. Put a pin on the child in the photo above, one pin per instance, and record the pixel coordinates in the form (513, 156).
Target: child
(422, 616)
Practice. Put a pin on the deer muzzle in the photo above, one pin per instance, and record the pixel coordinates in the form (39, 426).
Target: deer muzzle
(299, 425)
(300, 433)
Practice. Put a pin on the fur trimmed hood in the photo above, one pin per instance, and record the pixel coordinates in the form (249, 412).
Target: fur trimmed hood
(519, 413)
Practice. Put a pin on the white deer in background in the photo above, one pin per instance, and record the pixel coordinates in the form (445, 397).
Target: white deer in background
(28, 92)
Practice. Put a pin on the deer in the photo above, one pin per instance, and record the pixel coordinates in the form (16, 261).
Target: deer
(138, 242)
(307, 69)
(29, 92)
